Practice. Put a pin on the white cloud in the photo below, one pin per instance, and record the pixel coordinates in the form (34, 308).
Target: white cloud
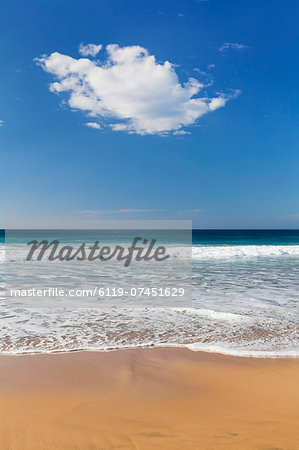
(232, 46)
(93, 125)
(118, 126)
(89, 49)
(180, 132)
(217, 103)
(220, 101)
(130, 91)
(1, 123)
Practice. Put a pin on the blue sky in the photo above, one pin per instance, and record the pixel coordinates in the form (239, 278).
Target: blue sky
(235, 166)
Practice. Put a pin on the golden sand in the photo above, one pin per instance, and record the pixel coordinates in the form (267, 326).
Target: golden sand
(148, 399)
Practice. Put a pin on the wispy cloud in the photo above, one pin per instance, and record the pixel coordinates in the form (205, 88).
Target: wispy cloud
(99, 212)
(130, 91)
(232, 46)
(181, 132)
(193, 211)
(189, 211)
(93, 125)
(201, 72)
(89, 49)
(1, 123)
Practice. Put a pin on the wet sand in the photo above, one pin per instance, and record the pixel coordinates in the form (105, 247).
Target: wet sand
(148, 399)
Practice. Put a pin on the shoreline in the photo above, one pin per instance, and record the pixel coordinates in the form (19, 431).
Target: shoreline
(254, 355)
(168, 398)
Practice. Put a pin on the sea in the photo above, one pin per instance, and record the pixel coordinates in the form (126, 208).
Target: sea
(243, 292)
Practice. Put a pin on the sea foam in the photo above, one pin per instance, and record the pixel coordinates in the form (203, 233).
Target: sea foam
(245, 302)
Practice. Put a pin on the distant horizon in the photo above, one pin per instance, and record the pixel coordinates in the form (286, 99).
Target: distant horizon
(193, 229)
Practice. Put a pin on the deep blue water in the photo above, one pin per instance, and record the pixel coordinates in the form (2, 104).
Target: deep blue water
(245, 237)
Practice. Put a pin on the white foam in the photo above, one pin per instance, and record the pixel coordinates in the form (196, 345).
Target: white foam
(203, 251)
(226, 350)
(243, 251)
(246, 304)
(52, 330)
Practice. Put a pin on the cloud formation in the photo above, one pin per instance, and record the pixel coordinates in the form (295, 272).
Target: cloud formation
(1, 123)
(89, 49)
(130, 91)
(232, 46)
(93, 125)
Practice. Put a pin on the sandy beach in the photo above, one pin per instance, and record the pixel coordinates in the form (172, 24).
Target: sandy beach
(163, 398)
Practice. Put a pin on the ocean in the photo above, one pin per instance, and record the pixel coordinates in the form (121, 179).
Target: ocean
(243, 300)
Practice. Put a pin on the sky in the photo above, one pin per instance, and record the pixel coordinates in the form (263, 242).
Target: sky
(150, 110)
